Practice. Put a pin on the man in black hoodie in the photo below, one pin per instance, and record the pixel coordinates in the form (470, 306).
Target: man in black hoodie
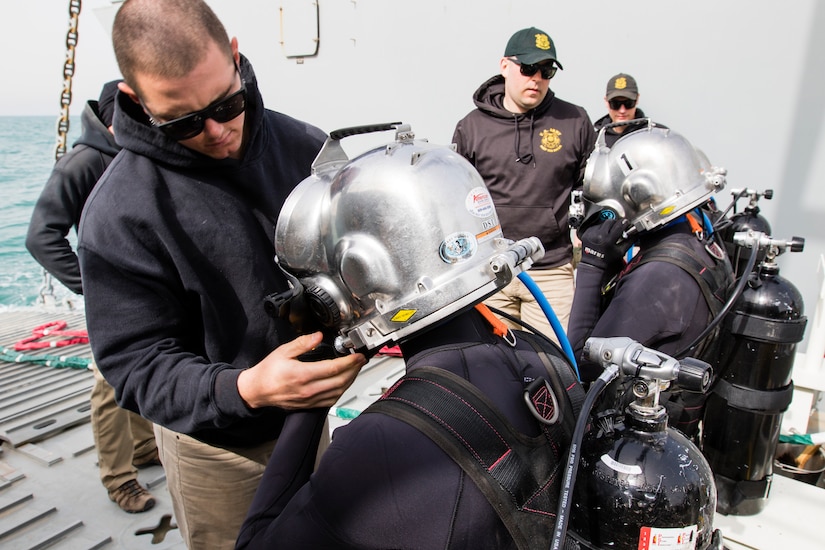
(176, 248)
(122, 438)
(622, 100)
(531, 149)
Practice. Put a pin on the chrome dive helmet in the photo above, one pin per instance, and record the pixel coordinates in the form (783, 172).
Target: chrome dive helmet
(650, 177)
(396, 239)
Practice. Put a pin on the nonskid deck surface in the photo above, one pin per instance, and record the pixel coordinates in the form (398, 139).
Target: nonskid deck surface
(50, 490)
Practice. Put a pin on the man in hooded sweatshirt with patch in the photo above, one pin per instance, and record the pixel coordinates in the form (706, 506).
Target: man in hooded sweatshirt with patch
(531, 149)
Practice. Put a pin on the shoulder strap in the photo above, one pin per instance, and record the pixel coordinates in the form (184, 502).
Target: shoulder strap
(714, 280)
(520, 476)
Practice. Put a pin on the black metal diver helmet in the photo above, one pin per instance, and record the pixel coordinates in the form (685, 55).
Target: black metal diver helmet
(394, 240)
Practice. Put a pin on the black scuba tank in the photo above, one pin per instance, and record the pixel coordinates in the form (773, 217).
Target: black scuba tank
(640, 483)
(753, 385)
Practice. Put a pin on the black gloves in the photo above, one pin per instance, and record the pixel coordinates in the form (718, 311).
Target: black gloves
(603, 243)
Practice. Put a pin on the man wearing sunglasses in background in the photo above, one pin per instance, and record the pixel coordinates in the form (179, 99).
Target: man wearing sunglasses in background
(531, 149)
(176, 252)
(622, 99)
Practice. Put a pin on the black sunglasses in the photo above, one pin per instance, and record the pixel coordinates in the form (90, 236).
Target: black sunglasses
(616, 104)
(223, 110)
(548, 70)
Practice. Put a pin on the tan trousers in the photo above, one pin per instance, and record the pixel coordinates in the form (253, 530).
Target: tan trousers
(121, 437)
(557, 285)
(211, 487)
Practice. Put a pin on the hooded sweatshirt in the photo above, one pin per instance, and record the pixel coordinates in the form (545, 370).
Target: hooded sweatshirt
(611, 135)
(177, 255)
(532, 196)
(61, 202)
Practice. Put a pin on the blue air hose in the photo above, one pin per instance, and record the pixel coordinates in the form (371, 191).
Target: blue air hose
(551, 316)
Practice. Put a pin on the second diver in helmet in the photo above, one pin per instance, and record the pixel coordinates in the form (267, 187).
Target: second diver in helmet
(650, 191)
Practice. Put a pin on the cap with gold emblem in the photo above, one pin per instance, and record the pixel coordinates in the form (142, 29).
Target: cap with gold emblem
(531, 46)
(622, 85)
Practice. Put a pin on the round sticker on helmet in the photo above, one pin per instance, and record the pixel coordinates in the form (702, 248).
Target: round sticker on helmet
(479, 203)
(457, 247)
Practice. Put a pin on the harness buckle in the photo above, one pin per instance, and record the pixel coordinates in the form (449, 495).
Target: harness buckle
(542, 401)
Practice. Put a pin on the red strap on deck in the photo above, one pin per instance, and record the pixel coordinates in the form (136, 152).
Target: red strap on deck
(54, 328)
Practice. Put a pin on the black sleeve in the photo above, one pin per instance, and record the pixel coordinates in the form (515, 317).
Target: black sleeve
(58, 209)
(584, 315)
(288, 470)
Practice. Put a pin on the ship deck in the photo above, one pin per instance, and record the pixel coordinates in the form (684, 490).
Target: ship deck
(51, 496)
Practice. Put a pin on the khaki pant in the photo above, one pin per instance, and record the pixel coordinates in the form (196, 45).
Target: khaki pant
(557, 285)
(121, 437)
(212, 487)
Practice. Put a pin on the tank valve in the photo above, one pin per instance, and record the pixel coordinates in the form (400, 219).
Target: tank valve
(653, 368)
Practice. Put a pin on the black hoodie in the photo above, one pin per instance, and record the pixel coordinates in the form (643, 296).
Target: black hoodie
(611, 135)
(176, 251)
(61, 202)
(532, 197)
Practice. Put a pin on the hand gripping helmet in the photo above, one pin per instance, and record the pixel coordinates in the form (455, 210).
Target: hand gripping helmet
(394, 240)
(650, 177)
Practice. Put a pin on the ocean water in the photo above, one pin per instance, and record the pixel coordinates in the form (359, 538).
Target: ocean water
(27, 147)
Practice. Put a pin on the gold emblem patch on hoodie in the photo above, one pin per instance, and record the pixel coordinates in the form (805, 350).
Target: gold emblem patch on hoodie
(550, 140)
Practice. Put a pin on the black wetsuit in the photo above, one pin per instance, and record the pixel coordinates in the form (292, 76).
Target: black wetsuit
(384, 484)
(658, 304)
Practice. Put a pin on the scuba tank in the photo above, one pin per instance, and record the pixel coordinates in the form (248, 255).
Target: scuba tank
(748, 220)
(753, 384)
(641, 484)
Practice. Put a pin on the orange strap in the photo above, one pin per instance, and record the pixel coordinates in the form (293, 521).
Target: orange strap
(695, 227)
(499, 328)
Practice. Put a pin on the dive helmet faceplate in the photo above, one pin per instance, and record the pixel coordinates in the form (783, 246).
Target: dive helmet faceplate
(650, 177)
(394, 240)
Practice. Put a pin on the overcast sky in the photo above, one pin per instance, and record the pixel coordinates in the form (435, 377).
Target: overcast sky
(33, 42)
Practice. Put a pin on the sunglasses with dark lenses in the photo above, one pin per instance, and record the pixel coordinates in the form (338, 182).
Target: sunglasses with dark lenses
(190, 125)
(616, 104)
(548, 70)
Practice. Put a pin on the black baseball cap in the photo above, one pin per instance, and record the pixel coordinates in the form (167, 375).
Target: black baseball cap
(531, 46)
(622, 85)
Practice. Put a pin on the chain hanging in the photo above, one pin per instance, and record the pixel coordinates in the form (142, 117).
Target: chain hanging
(68, 73)
(46, 294)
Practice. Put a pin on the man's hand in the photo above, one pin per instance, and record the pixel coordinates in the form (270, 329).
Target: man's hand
(281, 380)
(603, 243)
